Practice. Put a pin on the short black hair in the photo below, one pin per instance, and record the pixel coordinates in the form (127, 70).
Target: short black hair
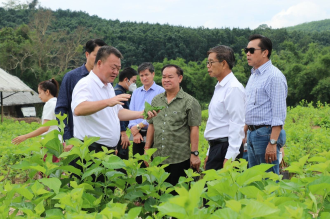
(265, 43)
(224, 53)
(146, 65)
(127, 73)
(105, 51)
(91, 44)
(179, 70)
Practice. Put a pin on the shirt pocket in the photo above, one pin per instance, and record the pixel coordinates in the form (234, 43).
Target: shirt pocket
(177, 118)
(260, 96)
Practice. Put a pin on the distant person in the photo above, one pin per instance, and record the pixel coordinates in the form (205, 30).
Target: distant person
(97, 111)
(265, 112)
(175, 130)
(70, 80)
(127, 82)
(224, 129)
(48, 91)
(141, 95)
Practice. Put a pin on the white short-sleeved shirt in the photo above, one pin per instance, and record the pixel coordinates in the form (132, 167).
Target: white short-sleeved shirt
(48, 113)
(104, 123)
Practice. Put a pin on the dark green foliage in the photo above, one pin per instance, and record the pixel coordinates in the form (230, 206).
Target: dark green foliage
(148, 107)
(314, 26)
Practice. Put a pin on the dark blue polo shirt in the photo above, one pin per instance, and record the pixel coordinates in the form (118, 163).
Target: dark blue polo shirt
(120, 90)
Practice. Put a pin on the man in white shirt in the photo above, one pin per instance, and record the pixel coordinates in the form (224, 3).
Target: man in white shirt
(97, 111)
(225, 126)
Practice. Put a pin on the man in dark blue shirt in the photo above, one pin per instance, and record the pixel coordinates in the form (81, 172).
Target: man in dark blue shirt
(70, 80)
(127, 82)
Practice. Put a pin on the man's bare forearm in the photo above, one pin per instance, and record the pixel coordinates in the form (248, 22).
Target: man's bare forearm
(194, 137)
(150, 136)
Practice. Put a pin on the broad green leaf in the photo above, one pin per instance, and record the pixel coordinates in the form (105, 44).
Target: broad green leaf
(52, 183)
(50, 123)
(314, 202)
(52, 143)
(40, 208)
(56, 213)
(92, 171)
(234, 205)
(317, 159)
(71, 169)
(251, 191)
(255, 209)
(225, 213)
(134, 213)
(113, 162)
(252, 174)
(25, 192)
(172, 210)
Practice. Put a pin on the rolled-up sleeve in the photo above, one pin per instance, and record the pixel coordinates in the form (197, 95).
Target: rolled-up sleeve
(278, 91)
(234, 104)
(194, 113)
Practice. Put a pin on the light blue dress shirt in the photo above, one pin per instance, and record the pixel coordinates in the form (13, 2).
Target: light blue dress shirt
(266, 93)
(139, 96)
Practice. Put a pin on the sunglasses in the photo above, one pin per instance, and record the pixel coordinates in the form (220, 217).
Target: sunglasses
(251, 50)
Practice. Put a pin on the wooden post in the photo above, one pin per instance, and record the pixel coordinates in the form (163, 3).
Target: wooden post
(1, 107)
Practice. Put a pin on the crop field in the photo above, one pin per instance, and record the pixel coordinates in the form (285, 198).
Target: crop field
(233, 192)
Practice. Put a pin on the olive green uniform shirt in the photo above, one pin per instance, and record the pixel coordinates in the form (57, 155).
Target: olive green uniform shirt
(172, 126)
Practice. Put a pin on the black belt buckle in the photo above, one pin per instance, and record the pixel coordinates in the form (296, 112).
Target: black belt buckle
(255, 127)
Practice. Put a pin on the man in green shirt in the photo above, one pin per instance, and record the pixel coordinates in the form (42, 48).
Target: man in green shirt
(175, 130)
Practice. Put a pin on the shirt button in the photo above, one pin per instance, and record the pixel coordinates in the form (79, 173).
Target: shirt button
(163, 130)
(167, 107)
(162, 146)
(164, 123)
(162, 138)
(165, 114)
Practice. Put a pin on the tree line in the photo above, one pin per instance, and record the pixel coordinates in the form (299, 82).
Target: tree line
(37, 44)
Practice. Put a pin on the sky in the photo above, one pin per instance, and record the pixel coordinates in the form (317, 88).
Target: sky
(197, 13)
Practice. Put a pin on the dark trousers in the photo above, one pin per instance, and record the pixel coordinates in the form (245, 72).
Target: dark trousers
(217, 155)
(176, 171)
(122, 153)
(93, 147)
(139, 149)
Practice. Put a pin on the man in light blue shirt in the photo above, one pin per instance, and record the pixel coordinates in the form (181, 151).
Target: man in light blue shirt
(144, 93)
(265, 110)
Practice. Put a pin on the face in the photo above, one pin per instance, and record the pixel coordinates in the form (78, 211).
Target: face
(214, 68)
(171, 80)
(259, 57)
(146, 77)
(43, 95)
(132, 80)
(90, 57)
(109, 69)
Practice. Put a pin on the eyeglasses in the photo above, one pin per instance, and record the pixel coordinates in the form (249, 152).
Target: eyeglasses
(210, 63)
(251, 50)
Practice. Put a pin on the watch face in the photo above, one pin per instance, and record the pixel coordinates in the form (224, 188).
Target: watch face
(196, 153)
(272, 141)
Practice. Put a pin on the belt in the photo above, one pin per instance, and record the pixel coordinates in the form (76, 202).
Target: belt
(143, 132)
(255, 127)
(217, 141)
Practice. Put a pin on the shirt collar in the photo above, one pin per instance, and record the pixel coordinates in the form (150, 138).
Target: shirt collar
(262, 68)
(121, 87)
(180, 94)
(153, 87)
(225, 80)
(97, 79)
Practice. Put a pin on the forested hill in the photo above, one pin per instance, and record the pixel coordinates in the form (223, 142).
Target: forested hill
(314, 26)
(36, 45)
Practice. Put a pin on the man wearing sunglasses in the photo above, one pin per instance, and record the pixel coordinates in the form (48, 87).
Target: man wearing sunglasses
(225, 126)
(265, 109)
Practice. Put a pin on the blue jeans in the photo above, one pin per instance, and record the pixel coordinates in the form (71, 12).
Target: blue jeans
(257, 141)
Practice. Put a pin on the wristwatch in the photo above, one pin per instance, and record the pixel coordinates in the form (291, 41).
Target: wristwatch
(272, 141)
(196, 153)
(138, 127)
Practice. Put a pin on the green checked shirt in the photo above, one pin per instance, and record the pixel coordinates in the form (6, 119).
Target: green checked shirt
(172, 126)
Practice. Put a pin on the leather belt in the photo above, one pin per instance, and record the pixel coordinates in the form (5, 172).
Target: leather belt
(217, 141)
(255, 127)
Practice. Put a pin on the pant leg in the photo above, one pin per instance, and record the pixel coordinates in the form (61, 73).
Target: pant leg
(176, 171)
(217, 155)
(257, 143)
(122, 153)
